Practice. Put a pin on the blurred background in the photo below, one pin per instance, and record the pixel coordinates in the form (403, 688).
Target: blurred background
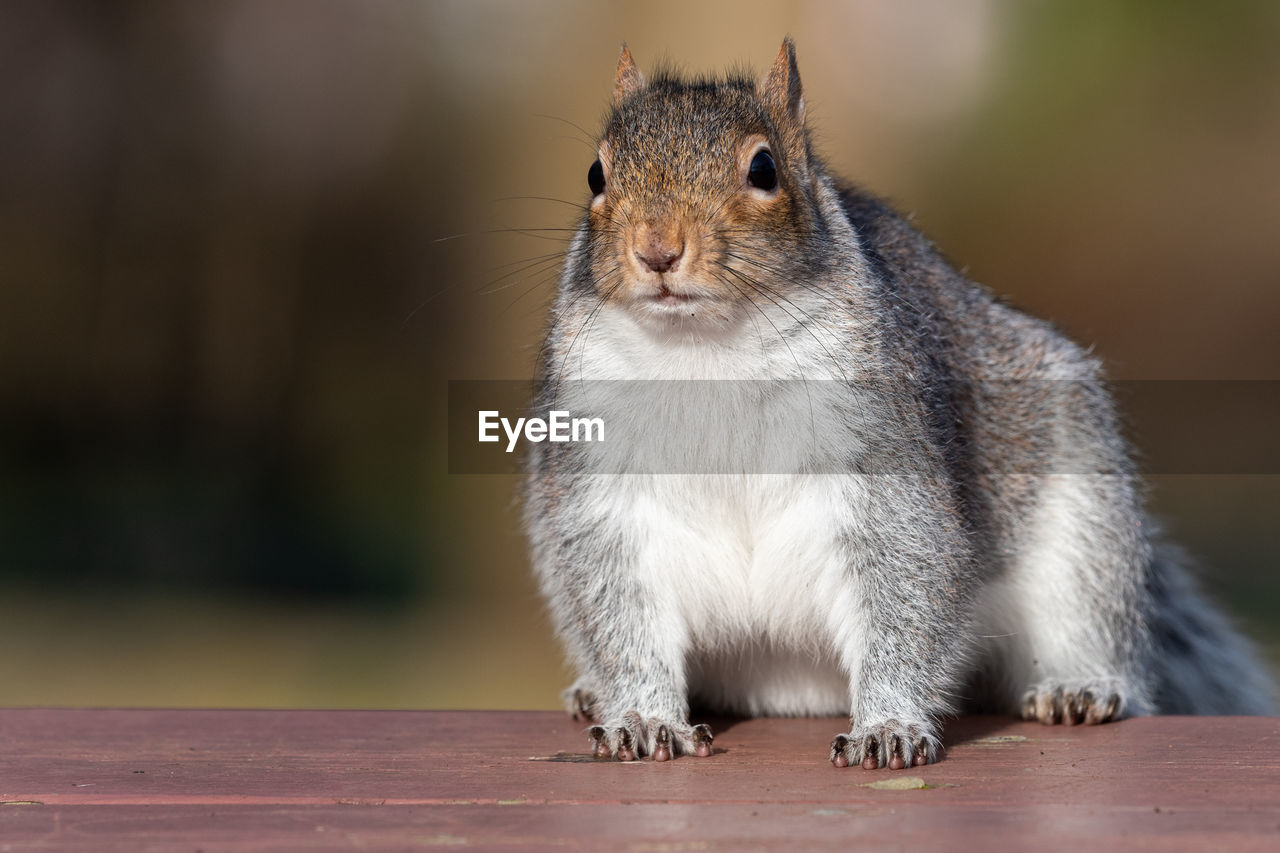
(245, 244)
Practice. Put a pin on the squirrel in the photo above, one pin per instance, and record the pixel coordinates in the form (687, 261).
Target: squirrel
(1006, 565)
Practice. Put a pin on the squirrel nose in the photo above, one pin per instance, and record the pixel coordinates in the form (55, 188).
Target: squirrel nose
(658, 254)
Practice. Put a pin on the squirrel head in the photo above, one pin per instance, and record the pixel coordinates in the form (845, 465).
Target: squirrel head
(703, 193)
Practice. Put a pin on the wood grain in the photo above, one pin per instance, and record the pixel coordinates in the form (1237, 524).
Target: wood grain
(214, 780)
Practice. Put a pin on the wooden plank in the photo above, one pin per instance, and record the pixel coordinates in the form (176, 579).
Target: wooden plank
(119, 779)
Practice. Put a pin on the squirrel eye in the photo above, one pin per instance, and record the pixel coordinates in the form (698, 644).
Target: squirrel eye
(595, 178)
(762, 174)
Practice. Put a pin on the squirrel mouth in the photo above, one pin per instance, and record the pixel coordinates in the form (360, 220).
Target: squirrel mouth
(667, 296)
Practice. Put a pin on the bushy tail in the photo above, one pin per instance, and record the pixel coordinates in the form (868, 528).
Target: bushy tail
(1203, 665)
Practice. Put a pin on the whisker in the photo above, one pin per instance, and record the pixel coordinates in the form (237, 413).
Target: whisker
(546, 264)
(587, 137)
(800, 281)
(579, 205)
(786, 343)
(522, 265)
(764, 291)
(600, 301)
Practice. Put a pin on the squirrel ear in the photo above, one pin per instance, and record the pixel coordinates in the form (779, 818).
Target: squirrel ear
(780, 88)
(629, 79)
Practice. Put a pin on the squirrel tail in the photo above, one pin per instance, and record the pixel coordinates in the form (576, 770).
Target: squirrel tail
(1202, 665)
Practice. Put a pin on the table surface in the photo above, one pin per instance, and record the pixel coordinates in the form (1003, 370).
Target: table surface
(254, 780)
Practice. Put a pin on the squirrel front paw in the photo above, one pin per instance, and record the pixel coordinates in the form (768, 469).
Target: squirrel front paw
(1071, 702)
(890, 744)
(632, 736)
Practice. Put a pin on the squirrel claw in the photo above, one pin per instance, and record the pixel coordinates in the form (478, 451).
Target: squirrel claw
(702, 740)
(662, 744)
(580, 703)
(1071, 704)
(891, 745)
(599, 744)
(632, 738)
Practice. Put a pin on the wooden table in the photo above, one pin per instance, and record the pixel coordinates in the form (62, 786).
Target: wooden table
(218, 780)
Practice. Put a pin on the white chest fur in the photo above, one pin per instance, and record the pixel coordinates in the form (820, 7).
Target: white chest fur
(748, 563)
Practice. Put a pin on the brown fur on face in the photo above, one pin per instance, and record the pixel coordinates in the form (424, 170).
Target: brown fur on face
(678, 232)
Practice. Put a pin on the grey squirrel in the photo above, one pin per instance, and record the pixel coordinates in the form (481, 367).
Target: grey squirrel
(1007, 566)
